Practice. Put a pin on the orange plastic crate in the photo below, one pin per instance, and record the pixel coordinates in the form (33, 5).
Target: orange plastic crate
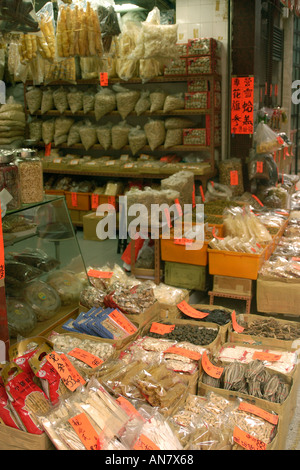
(170, 251)
(78, 201)
(233, 264)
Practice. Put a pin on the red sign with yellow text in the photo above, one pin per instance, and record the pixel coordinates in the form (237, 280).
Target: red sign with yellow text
(242, 99)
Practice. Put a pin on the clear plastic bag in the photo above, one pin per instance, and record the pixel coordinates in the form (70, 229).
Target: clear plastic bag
(105, 102)
(126, 100)
(137, 139)
(155, 132)
(266, 139)
(44, 300)
(60, 99)
(143, 104)
(119, 135)
(46, 36)
(75, 100)
(74, 134)
(62, 127)
(47, 103)
(88, 135)
(34, 99)
(157, 100)
(126, 68)
(174, 102)
(88, 101)
(173, 137)
(104, 135)
(67, 286)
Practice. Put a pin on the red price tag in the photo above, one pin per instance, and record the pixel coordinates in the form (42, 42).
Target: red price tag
(103, 78)
(234, 178)
(143, 443)
(85, 431)
(185, 308)
(100, 274)
(183, 241)
(74, 199)
(214, 234)
(259, 167)
(178, 207)
(48, 150)
(202, 193)
(86, 357)
(265, 356)
(255, 410)
(167, 214)
(194, 197)
(258, 200)
(247, 441)
(112, 200)
(194, 355)
(238, 328)
(209, 368)
(161, 329)
(95, 201)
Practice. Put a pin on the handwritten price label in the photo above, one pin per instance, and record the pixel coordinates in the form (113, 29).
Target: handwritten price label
(122, 321)
(259, 167)
(86, 357)
(183, 352)
(129, 408)
(247, 441)
(161, 329)
(265, 356)
(100, 274)
(211, 369)
(183, 241)
(103, 78)
(185, 308)
(69, 375)
(74, 199)
(255, 410)
(178, 207)
(85, 431)
(143, 443)
(234, 178)
(95, 201)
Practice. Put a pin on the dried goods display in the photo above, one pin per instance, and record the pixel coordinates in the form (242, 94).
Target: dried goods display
(191, 333)
(271, 328)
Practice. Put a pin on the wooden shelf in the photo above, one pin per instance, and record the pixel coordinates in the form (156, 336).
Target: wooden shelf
(146, 148)
(179, 112)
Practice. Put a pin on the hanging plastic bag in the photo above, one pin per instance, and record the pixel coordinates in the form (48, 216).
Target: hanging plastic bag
(266, 139)
(126, 100)
(46, 36)
(18, 16)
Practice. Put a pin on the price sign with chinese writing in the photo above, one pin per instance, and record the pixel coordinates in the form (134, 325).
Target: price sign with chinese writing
(85, 431)
(242, 96)
(2, 264)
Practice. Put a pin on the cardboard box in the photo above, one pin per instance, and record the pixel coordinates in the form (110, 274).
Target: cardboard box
(90, 221)
(232, 285)
(278, 297)
(74, 215)
(14, 439)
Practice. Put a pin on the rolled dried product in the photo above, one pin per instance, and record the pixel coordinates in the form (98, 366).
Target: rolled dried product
(157, 100)
(88, 135)
(35, 130)
(234, 378)
(88, 101)
(174, 102)
(75, 100)
(126, 100)
(105, 102)
(137, 139)
(155, 132)
(119, 135)
(20, 318)
(149, 68)
(126, 68)
(173, 137)
(62, 127)
(60, 99)
(104, 135)
(270, 391)
(43, 299)
(47, 103)
(34, 99)
(143, 104)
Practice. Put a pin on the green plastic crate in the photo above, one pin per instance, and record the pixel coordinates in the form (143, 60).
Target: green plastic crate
(187, 276)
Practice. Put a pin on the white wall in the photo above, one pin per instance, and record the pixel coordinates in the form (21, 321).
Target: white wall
(207, 18)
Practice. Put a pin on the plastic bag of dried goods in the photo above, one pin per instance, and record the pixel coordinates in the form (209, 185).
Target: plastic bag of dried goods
(173, 137)
(47, 103)
(74, 134)
(34, 99)
(104, 135)
(35, 130)
(174, 102)
(75, 100)
(66, 285)
(119, 135)
(149, 69)
(157, 100)
(105, 102)
(21, 318)
(155, 132)
(88, 135)
(48, 131)
(62, 127)
(88, 101)
(126, 68)
(60, 99)
(126, 100)
(178, 123)
(143, 104)
(137, 139)
(266, 139)
(43, 300)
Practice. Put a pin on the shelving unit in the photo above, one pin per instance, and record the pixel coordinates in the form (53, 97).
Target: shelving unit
(180, 79)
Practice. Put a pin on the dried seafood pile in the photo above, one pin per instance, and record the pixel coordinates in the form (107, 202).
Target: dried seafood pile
(252, 379)
(194, 334)
(271, 328)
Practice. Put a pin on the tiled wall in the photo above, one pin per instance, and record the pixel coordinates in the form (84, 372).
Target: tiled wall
(207, 18)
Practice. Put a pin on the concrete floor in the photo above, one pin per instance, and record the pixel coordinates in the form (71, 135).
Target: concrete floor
(99, 253)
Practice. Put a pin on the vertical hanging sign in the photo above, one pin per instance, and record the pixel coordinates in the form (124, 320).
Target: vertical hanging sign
(2, 264)
(242, 100)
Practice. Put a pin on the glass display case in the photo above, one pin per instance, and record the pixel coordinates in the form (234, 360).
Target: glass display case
(44, 268)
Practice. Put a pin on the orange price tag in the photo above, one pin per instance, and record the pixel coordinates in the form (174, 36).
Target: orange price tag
(183, 241)
(178, 207)
(238, 328)
(247, 441)
(255, 410)
(183, 352)
(194, 197)
(112, 200)
(86, 357)
(234, 178)
(85, 431)
(265, 356)
(296, 259)
(123, 322)
(258, 200)
(214, 234)
(143, 443)
(100, 274)
(69, 375)
(167, 214)
(161, 329)
(209, 368)
(185, 308)
(295, 266)
(95, 201)
(202, 193)
(2, 263)
(128, 407)
(103, 78)
(259, 167)
(48, 150)
(74, 199)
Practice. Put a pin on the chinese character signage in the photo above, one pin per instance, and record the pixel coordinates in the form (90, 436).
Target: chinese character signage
(242, 97)
(2, 267)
